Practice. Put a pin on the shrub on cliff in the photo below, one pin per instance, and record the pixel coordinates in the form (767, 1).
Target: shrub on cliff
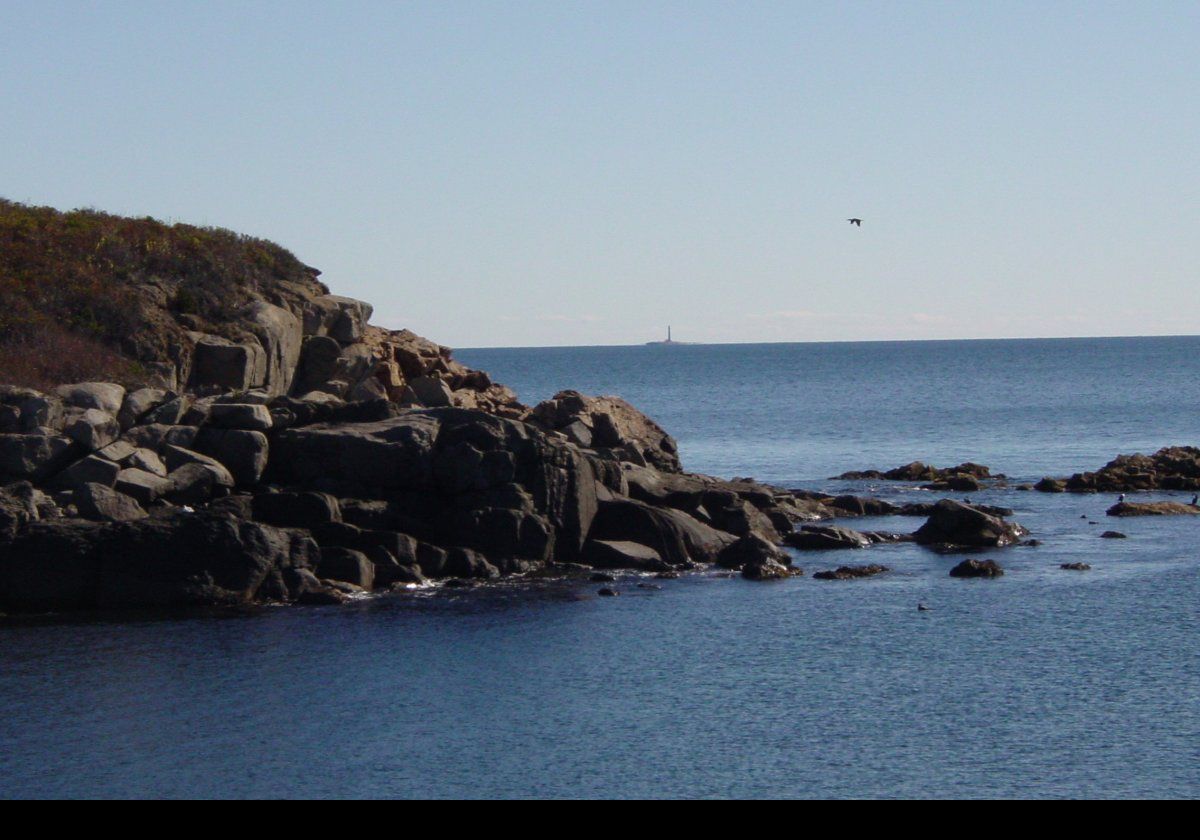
(83, 281)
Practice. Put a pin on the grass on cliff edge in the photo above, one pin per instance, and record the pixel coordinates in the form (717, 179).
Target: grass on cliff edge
(89, 295)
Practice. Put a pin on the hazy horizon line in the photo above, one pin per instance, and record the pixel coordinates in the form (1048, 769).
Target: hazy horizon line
(827, 341)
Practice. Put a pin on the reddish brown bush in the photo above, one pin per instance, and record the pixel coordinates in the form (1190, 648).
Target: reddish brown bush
(54, 356)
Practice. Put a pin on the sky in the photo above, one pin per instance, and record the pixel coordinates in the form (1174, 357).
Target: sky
(569, 173)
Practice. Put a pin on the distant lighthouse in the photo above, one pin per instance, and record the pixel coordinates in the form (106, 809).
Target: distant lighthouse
(669, 341)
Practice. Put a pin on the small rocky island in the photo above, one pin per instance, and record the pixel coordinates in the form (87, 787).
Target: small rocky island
(189, 417)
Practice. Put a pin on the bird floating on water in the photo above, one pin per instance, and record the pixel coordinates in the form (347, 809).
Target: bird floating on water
(855, 222)
(923, 608)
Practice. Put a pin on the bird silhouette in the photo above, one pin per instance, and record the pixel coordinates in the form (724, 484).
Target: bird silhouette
(857, 222)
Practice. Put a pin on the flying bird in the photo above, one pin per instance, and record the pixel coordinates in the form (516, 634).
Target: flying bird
(857, 222)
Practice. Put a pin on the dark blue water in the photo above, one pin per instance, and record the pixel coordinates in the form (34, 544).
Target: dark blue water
(1043, 683)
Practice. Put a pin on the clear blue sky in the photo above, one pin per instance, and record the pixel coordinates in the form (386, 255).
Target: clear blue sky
(586, 173)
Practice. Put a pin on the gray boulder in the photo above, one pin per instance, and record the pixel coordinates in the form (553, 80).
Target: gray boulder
(347, 566)
(196, 483)
(281, 334)
(343, 318)
(752, 550)
(243, 453)
(380, 458)
(240, 416)
(91, 470)
(148, 460)
(155, 436)
(118, 452)
(34, 456)
(170, 413)
(977, 569)
(296, 510)
(40, 411)
(177, 457)
(102, 396)
(766, 570)
(318, 364)
(1152, 509)
(467, 564)
(431, 391)
(143, 487)
(954, 523)
(138, 404)
(677, 538)
(97, 502)
(351, 320)
(820, 537)
(389, 572)
(621, 554)
(221, 363)
(93, 429)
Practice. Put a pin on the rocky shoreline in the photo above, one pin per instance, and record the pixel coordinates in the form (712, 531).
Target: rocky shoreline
(323, 458)
(275, 447)
(404, 469)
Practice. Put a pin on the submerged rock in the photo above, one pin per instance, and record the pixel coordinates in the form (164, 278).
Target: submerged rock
(977, 569)
(1152, 509)
(965, 475)
(851, 572)
(767, 570)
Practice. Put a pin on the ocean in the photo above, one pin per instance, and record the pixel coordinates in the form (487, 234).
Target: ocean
(1043, 683)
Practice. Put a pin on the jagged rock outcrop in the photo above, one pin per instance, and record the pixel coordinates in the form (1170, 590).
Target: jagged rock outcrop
(1170, 468)
(489, 483)
(608, 423)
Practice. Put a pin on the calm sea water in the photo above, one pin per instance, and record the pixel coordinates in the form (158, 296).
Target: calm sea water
(1043, 683)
